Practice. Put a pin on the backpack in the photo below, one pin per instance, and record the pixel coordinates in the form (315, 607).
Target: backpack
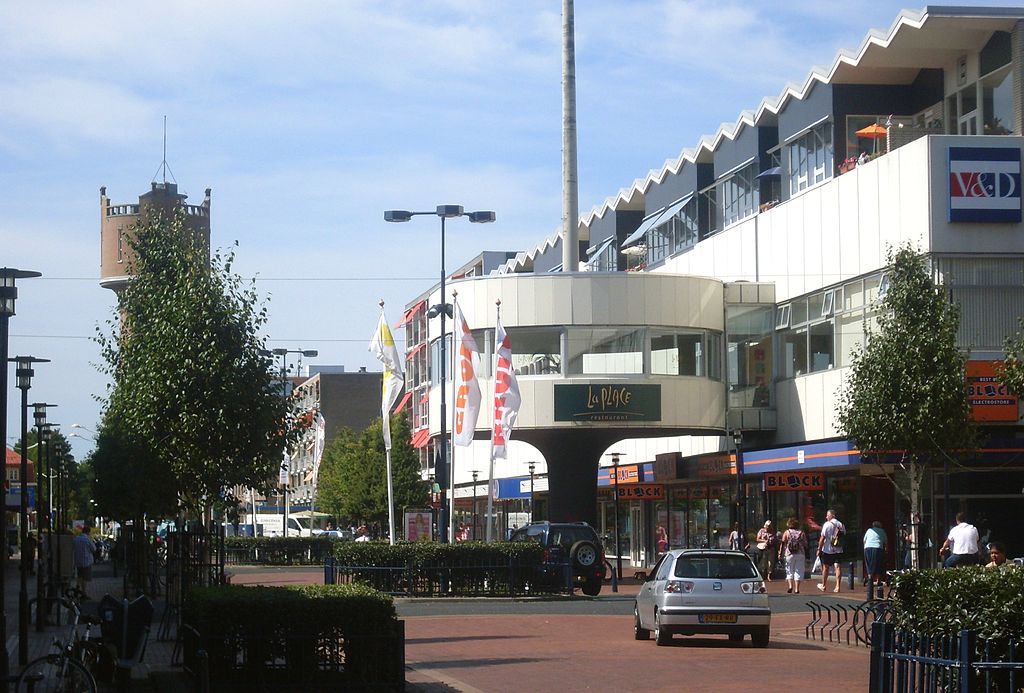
(797, 542)
(838, 536)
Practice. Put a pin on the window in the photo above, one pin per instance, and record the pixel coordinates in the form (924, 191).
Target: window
(536, 350)
(605, 351)
(827, 303)
(676, 231)
(997, 103)
(782, 317)
(739, 194)
(716, 567)
(821, 346)
(120, 244)
(793, 346)
(809, 158)
(678, 354)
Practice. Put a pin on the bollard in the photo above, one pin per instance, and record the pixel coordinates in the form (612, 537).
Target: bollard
(615, 577)
(850, 577)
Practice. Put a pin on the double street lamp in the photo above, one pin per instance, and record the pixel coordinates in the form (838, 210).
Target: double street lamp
(474, 473)
(443, 309)
(531, 467)
(283, 476)
(8, 297)
(42, 509)
(24, 372)
(615, 508)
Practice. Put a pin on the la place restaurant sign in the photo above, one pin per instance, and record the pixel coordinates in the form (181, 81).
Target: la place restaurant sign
(611, 402)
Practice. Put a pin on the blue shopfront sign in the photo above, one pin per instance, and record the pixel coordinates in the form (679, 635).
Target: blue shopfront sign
(13, 499)
(837, 453)
(984, 184)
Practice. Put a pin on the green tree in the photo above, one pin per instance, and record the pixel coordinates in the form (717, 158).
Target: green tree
(905, 392)
(131, 482)
(190, 379)
(1011, 373)
(353, 474)
(78, 476)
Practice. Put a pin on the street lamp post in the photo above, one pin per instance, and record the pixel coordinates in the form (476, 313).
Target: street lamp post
(531, 467)
(443, 309)
(474, 473)
(615, 509)
(42, 509)
(49, 429)
(8, 296)
(24, 372)
(283, 353)
(741, 501)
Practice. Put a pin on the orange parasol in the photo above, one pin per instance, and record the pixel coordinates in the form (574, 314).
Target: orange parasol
(874, 131)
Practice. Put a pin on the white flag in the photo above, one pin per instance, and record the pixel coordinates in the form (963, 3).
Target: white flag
(467, 388)
(383, 347)
(319, 438)
(506, 395)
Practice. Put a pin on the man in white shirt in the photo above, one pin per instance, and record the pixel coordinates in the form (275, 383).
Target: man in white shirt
(830, 549)
(963, 540)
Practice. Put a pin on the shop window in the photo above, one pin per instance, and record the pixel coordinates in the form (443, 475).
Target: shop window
(605, 351)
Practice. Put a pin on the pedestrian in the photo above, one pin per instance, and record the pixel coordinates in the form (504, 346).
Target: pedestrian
(362, 533)
(961, 544)
(735, 538)
(766, 550)
(875, 541)
(997, 552)
(793, 551)
(84, 550)
(661, 540)
(830, 549)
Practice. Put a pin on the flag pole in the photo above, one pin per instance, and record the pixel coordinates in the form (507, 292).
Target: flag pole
(451, 443)
(490, 464)
(386, 403)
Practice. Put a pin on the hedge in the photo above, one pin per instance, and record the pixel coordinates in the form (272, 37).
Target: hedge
(372, 553)
(985, 601)
(308, 637)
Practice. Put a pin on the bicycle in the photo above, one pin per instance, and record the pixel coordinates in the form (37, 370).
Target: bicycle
(68, 668)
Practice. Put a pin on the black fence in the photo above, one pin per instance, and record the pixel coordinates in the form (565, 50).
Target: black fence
(509, 579)
(903, 661)
(278, 552)
(296, 658)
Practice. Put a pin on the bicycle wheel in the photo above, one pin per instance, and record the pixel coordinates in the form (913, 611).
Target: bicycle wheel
(60, 674)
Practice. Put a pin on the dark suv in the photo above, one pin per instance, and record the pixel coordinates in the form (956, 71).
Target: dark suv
(573, 544)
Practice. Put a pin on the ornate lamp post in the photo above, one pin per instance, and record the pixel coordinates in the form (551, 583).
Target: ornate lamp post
(8, 296)
(443, 309)
(741, 500)
(531, 467)
(474, 473)
(615, 508)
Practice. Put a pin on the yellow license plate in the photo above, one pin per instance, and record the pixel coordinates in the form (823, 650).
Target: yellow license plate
(718, 618)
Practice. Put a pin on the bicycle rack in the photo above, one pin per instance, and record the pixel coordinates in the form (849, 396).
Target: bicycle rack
(815, 617)
(839, 624)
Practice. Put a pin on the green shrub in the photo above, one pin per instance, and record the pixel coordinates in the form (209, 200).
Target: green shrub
(987, 602)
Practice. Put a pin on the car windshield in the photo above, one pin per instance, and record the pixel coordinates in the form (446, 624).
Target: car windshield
(717, 567)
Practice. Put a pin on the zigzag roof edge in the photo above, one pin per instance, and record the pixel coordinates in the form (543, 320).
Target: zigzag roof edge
(911, 18)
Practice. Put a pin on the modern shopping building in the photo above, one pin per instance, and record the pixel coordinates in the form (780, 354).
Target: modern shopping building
(721, 297)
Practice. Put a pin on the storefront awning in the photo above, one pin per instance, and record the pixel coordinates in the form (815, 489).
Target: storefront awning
(415, 350)
(658, 217)
(410, 313)
(405, 400)
(420, 438)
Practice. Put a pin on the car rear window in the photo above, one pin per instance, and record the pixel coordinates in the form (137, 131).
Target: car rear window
(717, 567)
(567, 536)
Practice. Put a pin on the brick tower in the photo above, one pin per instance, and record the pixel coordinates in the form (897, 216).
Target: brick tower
(117, 221)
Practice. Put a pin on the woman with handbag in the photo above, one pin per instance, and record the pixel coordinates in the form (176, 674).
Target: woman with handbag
(793, 548)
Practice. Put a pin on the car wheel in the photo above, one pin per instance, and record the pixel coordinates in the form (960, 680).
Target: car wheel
(735, 637)
(584, 554)
(661, 636)
(760, 637)
(592, 587)
(639, 632)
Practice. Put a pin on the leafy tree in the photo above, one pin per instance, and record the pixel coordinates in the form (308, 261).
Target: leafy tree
(1011, 373)
(905, 389)
(190, 378)
(78, 476)
(353, 474)
(120, 463)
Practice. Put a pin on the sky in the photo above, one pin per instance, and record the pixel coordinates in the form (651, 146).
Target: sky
(308, 119)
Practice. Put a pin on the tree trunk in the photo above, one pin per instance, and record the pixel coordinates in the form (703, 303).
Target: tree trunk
(915, 470)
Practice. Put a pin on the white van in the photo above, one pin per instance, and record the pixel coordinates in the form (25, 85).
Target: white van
(270, 525)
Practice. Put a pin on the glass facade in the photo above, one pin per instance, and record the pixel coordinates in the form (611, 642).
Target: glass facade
(809, 158)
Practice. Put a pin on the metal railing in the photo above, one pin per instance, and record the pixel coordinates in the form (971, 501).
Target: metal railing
(903, 661)
(846, 623)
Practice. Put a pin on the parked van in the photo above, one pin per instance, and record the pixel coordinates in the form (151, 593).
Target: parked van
(270, 525)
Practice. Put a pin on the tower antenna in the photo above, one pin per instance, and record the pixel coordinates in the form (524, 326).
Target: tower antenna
(163, 164)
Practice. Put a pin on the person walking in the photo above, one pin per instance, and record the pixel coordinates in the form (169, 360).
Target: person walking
(735, 538)
(830, 549)
(962, 543)
(766, 550)
(83, 548)
(875, 541)
(793, 550)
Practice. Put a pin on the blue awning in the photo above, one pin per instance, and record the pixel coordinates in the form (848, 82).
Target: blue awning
(599, 247)
(664, 214)
(768, 172)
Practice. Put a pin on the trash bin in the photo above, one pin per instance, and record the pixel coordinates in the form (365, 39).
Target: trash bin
(125, 625)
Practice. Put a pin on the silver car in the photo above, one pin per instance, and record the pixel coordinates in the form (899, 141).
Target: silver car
(697, 591)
